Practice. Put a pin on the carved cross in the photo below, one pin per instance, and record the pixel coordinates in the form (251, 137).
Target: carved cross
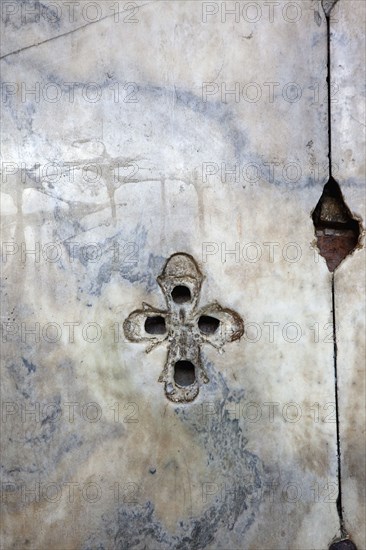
(185, 326)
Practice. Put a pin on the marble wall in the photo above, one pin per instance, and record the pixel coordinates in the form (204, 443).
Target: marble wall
(133, 131)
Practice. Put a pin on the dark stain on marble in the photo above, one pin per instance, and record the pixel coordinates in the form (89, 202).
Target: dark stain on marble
(29, 365)
(139, 271)
(225, 445)
(345, 544)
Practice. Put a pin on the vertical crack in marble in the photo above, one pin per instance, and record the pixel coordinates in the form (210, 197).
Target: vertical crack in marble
(339, 498)
(350, 224)
(338, 233)
(348, 146)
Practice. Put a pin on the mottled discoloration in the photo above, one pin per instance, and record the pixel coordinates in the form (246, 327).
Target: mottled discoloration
(232, 507)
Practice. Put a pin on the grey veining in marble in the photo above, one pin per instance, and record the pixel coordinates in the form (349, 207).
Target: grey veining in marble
(168, 128)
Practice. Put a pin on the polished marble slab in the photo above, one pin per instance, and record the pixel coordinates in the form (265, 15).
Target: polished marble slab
(191, 131)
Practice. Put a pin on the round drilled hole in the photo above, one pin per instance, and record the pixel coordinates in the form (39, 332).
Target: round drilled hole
(181, 294)
(184, 373)
(208, 324)
(155, 325)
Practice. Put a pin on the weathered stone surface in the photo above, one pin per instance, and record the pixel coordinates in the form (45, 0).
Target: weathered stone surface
(141, 173)
(348, 153)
